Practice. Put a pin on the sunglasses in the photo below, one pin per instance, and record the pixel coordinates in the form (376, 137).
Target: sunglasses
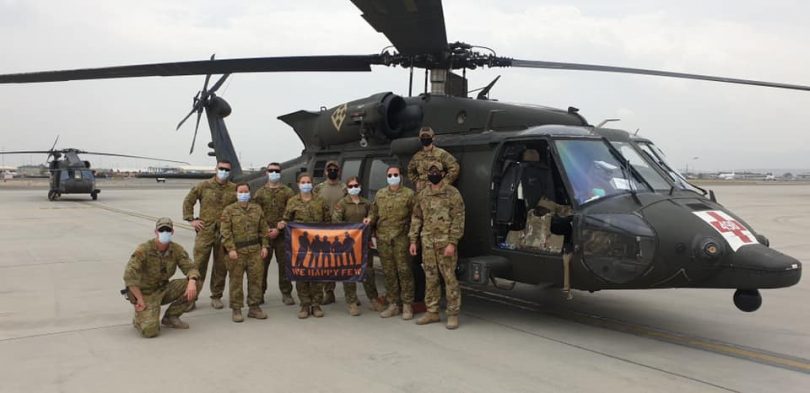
(393, 175)
(164, 229)
(224, 169)
(273, 171)
(353, 185)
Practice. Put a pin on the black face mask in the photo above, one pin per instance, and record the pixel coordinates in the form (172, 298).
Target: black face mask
(332, 175)
(426, 141)
(435, 178)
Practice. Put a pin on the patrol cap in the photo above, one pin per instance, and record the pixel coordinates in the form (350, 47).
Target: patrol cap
(426, 131)
(435, 164)
(332, 163)
(164, 222)
(547, 204)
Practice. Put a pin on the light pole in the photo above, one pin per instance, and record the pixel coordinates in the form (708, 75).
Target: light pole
(687, 166)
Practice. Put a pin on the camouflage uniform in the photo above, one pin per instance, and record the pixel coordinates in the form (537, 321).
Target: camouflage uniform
(348, 211)
(150, 270)
(273, 202)
(391, 216)
(419, 164)
(331, 193)
(244, 230)
(307, 212)
(438, 219)
(213, 197)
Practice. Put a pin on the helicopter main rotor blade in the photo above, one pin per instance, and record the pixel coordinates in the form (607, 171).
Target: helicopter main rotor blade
(54, 142)
(27, 152)
(641, 71)
(415, 27)
(129, 156)
(204, 67)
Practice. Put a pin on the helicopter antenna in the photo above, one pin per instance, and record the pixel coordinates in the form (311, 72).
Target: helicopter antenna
(636, 133)
(605, 122)
(484, 94)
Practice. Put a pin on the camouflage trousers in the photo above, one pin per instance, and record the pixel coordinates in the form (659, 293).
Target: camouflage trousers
(329, 287)
(310, 293)
(436, 264)
(277, 248)
(209, 240)
(396, 262)
(250, 262)
(148, 321)
(369, 285)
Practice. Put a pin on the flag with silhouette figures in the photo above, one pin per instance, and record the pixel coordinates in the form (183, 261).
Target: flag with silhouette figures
(326, 252)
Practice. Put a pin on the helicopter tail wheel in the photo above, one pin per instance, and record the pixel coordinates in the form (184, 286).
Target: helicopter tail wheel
(51, 195)
(747, 300)
(94, 195)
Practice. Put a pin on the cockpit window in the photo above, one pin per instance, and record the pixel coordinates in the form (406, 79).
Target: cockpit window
(593, 171)
(643, 167)
(658, 156)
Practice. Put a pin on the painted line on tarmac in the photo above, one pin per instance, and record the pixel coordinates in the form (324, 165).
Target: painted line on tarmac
(131, 213)
(738, 351)
(715, 346)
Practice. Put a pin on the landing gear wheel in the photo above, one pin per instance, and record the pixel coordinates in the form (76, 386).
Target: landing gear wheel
(747, 300)
(51, 195)
(94, 195)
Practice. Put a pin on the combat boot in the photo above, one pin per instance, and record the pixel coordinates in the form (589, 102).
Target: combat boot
(429, 317)
(354, 310)
(317, 312)
(392, 310)
(287, 299)
(256, 312)
(452, 322)
(237, 315)
(217, 303)
(173, 322)
(328, 297)
(407, 312)
(376, 305)
(303, 313)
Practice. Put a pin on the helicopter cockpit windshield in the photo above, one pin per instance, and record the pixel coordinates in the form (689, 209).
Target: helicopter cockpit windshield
(658, 156)
(594, 172)
(641, 166)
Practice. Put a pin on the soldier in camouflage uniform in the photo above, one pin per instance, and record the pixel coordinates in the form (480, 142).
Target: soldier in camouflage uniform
(418, 166)
(308, 209)
(438, 220)
(331, 191)
(273, 200)
(244, 236)
(354, 208)
(391, 216)
(147, 279)
(213, 194)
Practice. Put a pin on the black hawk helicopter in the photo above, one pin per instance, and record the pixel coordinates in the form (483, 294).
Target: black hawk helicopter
(634, 223)
(69, 174)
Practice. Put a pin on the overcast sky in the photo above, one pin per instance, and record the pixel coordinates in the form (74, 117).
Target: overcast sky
(728, 127)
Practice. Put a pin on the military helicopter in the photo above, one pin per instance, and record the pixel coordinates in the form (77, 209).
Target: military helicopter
(632, 221)
(69, 174)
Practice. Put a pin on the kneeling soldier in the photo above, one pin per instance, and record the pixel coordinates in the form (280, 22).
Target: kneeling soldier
(147, 279)
(244, 231)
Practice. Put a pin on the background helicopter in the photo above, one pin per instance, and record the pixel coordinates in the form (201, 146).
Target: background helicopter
(69, 174)
(490, 140)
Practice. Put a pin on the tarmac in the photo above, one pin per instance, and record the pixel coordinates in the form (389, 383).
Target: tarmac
(65, 328)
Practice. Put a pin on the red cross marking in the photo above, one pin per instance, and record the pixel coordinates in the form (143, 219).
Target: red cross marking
(722, 225)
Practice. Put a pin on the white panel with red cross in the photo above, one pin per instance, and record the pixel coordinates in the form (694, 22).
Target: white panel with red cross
(735, 233)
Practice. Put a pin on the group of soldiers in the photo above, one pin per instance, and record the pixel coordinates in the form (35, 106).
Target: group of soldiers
(244, 234)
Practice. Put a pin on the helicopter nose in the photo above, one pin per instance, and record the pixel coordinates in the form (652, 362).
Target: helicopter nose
(757, 266)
